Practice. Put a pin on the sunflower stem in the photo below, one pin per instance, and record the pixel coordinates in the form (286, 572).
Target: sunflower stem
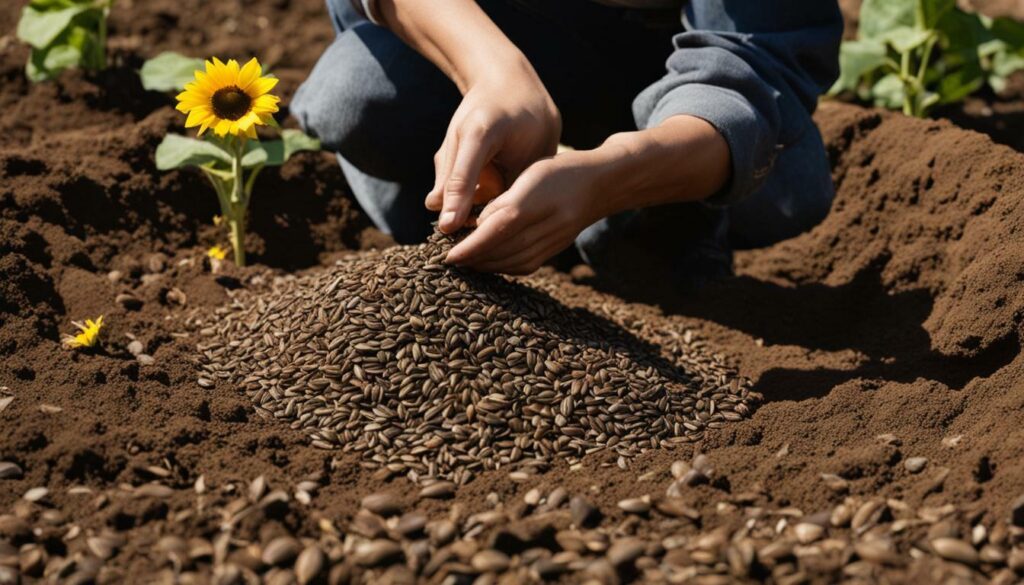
(239, 202)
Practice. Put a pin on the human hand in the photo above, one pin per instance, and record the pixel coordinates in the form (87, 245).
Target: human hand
(540, 215)
(509, 124)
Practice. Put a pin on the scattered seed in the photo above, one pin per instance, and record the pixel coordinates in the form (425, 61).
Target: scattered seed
(9, 470)
(915, 464)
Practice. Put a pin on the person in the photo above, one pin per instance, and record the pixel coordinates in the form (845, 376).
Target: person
(674, 164)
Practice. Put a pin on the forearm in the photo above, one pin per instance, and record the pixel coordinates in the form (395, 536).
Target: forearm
(682, 159)
(457, 36)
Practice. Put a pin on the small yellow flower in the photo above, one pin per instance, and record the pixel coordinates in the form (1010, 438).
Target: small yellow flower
(228, 98)
(217, 252)
(89, 336)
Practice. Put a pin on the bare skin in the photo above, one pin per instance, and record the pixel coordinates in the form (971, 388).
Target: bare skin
(508, 119)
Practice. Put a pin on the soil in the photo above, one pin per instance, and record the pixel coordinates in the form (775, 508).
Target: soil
(900, 314)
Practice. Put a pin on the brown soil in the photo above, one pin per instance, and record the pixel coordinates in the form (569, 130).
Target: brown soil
(902, 313)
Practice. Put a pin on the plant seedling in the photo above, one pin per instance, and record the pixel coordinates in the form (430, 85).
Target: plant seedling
(231, 101)
(64, 34)
(916, 54)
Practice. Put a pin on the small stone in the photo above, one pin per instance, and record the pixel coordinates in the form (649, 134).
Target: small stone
(136, 347)
(114, 276)
(582, 512)
(915, 464)
(384, 504)
(954, 549)
(9, 470)
(438, 490)
(952, 442)
(281, 551)
(145, 359)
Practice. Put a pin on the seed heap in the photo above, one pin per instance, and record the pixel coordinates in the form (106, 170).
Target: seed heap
(439, 373)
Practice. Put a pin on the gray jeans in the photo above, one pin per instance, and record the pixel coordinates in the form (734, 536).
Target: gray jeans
(384, 109)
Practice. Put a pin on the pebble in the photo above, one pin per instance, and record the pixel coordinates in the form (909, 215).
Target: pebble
(280, 551)
(384, 504)
(10, 470)
(915, 464)
(438, 490)
(136, 347)
(954, 549)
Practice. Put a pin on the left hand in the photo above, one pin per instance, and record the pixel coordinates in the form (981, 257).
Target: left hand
(540, 215)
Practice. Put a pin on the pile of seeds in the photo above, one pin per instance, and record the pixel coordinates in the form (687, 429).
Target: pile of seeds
(439, 372)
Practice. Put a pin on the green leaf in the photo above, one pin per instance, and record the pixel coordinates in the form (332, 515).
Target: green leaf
(273, 153)
(905, 39)
(180, 151)
(932, 11)
(888, 92)
(880, 16)
(169, 71)
(857, 59)
(40, 28)
(956, 85)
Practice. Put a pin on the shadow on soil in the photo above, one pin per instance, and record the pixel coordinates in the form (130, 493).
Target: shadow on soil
(861, 316)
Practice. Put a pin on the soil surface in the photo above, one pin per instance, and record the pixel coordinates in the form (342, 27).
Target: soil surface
(899, 316)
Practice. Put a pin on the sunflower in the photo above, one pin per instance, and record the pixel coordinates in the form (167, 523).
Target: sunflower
(229, 99)
(89, 333)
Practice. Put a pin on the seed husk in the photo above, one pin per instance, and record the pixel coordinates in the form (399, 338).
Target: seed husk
(384, 504)
(281, 550)
(310, 564)
(954, 549)
(9, 470)
(377, 552)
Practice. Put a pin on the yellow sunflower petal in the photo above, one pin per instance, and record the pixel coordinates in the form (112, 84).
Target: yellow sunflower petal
(197, 117)
(250, 73)
(261, 86)
(222, 127)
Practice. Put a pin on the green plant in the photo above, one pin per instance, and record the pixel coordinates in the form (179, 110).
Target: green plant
(916, 54)
(64, 34)
(169, 71)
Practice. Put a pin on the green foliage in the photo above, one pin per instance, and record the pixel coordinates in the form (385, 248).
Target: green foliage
(64, 34)
(169, 71)
(915, 54)
(177, 151)
(232, 165)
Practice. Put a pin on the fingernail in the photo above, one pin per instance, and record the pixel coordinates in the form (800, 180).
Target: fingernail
(447, 218)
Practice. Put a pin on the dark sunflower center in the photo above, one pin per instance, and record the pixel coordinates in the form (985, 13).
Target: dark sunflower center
(231, 103)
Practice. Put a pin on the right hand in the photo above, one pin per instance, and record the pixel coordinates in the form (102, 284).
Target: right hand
(510, 123)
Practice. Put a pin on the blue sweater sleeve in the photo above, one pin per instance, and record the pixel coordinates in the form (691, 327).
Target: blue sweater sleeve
(753, 69)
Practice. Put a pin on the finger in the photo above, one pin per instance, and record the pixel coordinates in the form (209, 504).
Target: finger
(513, 244)
(442, 164)
(498, 227)
(460, 186)
(527, 261)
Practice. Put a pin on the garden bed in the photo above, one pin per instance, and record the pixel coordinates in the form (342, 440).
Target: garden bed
(889, 333)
